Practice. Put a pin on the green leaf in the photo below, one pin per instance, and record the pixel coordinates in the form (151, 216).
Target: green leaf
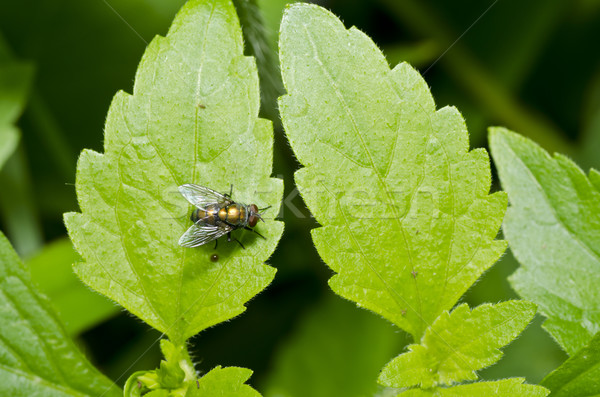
(553, 226)
(458, 344)
(225, 382)
(36, 355)
(191, 119)
(513, 387)
(579, 376)
(339, 360)
(15, 79)
(78, 307)
(407, 222)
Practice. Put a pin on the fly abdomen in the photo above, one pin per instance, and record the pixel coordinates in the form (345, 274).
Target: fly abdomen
(208, 216)
(197, 214)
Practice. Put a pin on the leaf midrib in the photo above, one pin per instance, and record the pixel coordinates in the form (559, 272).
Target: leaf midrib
(179, 313)
(379, 177)
(122, 235)
(383, 181)
(173, 176)
(391, 290)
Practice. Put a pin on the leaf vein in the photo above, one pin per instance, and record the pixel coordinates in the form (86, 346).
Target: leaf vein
(390, 289)
(42, 343)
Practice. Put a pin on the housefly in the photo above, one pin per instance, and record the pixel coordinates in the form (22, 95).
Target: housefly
(216, 215)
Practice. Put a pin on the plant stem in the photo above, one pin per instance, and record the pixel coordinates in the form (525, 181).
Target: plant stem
(259, 46)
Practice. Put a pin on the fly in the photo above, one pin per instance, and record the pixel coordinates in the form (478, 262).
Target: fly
(216, 215)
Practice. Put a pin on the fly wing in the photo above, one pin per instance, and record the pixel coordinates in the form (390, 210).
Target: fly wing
(201, 196)
(201, 233)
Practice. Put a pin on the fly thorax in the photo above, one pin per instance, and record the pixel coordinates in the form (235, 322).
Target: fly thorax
(235, 214)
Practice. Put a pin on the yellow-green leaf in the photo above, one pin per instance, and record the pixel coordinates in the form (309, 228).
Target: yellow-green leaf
(458, 344)
(407, 222)
(192, 118)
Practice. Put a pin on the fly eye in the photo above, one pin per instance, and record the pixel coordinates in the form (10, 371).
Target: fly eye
(252, 220)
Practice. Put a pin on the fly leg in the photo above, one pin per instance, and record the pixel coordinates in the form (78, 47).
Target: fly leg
(229, 238)
(252, 230)
(216, 242)
(230, 192)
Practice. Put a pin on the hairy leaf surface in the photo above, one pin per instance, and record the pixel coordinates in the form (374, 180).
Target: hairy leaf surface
(192, 118)
(407, 222)
(36, 355)
(513, 387)
(579, 376)
(553, 226)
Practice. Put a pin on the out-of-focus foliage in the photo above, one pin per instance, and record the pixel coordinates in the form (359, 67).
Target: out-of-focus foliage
(15, 199)
(579, 376)
(36, 355)
(15, 79)
(78, 307)
(553, 226)
(337, 350)
(589, 155)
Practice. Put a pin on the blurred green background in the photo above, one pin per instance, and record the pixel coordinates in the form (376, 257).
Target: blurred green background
(531, 66)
